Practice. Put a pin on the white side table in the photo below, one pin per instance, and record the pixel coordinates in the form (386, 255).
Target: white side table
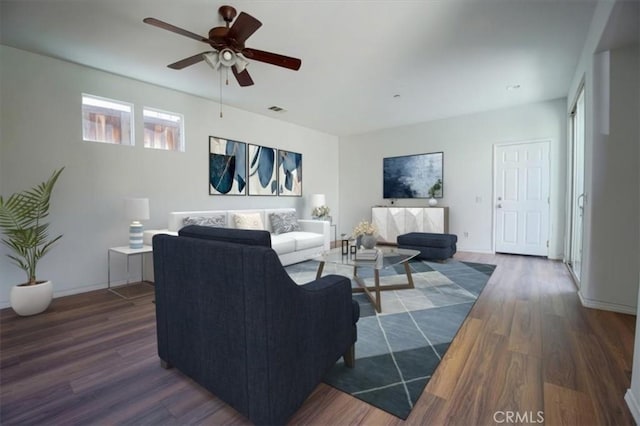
(128, 252)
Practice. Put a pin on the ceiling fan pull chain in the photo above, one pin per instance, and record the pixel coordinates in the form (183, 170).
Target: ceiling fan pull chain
(220, 99)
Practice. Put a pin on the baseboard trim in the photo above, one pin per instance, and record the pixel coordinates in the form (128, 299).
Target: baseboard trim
(606, 306)
(68, 292)
(633, 405)
(470, 250)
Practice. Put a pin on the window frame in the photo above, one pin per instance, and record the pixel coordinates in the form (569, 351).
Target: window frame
(181, 143)
(115, 102)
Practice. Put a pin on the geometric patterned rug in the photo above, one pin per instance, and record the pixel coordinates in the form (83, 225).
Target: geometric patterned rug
(399, 349)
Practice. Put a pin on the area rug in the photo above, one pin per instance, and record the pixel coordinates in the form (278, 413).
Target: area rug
(399, 349)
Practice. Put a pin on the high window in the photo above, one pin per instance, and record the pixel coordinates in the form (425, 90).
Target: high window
(106, 120)
(163, 130)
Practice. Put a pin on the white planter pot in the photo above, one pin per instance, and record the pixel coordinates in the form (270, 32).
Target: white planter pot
(31, 299)
(433, 202)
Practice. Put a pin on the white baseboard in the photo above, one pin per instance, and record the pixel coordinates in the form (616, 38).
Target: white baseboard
(69, 292)
(471, 250)
(606, 306)
(633, 405)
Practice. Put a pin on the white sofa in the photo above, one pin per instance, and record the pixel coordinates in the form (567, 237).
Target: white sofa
(292, 247)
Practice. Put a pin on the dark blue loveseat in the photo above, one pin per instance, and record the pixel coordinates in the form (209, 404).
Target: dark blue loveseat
(229, 317)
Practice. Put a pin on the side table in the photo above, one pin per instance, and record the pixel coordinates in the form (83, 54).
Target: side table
(128, 252)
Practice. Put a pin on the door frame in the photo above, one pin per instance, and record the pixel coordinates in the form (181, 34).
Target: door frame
(494, 181)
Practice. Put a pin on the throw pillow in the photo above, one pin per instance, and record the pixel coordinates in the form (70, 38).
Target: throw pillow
(248, 221)
(284, 222)
(218, 221)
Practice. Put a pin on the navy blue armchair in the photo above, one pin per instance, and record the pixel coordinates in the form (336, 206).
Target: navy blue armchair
(229, 316)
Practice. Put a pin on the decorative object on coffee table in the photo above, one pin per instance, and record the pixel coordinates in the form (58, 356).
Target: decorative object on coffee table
(365, 234)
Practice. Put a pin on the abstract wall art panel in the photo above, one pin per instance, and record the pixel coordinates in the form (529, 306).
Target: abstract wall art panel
(227, 167)
(411, 176)
(289, 174)
(262, 170)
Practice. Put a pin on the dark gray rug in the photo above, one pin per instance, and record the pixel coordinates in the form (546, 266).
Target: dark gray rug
(399, 349)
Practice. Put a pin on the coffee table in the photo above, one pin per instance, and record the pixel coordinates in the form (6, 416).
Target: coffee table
(387, 257)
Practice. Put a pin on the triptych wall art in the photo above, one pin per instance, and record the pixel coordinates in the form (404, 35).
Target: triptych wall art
(238, 168)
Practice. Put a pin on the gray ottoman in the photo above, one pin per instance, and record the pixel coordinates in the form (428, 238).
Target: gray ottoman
(431, 246)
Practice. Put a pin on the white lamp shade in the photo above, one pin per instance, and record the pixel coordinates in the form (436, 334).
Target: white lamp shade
(318, 200)
(137, 208)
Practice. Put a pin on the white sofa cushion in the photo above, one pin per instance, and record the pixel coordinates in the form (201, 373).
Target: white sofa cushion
(305, 240)
(283, 243)
(248, 221)
(283, 222)
(216, 221)
(176, 219)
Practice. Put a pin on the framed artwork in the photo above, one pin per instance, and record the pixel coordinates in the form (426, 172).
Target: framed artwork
(411, 176)
(289, 174)
(262, 170)
(227, 167)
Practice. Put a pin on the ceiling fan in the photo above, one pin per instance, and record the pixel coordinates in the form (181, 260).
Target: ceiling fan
(228, 42)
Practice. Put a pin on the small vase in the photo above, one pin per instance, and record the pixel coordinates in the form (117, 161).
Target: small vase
(433, 202)
(368, 241)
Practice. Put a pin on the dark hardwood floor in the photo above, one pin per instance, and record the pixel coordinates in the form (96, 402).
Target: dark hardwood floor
(528, 346)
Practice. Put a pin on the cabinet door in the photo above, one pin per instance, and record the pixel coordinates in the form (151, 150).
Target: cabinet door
(435, 220)
(395, 223)
(379, 220)
(414, 219)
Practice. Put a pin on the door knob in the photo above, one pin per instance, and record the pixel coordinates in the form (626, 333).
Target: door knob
(499, 206)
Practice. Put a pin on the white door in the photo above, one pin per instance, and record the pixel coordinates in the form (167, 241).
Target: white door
(522, 198)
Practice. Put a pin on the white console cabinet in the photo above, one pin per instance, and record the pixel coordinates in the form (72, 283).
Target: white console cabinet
(394, 221)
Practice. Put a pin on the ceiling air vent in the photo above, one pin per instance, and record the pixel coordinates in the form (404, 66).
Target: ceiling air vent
(277, 109)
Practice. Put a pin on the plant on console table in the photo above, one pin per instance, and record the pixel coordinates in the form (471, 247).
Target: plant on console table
(365, 234)
(21, 221)
(433, 191)
(321, 212)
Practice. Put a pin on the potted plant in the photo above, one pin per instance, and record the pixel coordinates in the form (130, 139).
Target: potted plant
(433, 191)
(25, 233)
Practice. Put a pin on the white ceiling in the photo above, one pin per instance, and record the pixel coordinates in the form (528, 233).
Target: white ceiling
(444, 58)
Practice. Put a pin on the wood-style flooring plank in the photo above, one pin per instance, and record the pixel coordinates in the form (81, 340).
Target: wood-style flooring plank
(528, 345)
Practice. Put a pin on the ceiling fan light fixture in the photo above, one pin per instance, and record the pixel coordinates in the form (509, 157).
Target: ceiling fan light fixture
(241, 62)
(212, 58)
(227, 57)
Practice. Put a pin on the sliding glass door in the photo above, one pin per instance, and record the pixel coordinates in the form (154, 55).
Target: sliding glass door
(577, 126)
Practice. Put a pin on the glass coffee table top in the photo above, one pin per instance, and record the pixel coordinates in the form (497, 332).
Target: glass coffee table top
(387, 257)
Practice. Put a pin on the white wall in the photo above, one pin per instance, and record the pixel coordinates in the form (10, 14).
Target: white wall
(467, 143)
(609, 69)
(41, 130)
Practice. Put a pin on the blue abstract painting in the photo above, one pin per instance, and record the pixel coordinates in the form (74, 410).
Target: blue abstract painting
(289, 174)
(262, 170)
(411, 176)
(227, 167)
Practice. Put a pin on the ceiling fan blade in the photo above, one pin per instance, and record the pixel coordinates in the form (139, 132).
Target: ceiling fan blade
(273, 58)
(243, 27)
(244, 79)
(166, 26)
(183, 63)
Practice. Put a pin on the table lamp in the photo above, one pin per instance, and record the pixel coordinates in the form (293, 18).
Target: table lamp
(137, 209)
